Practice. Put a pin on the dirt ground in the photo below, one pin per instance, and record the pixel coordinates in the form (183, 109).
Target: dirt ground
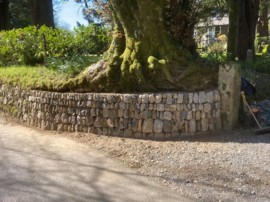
(223, 166)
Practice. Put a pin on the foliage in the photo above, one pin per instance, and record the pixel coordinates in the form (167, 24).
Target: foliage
(30, 45)
(215, 54)
(261, 44)
(261, 64)
(73, 65)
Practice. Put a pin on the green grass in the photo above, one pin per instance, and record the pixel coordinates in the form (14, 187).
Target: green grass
(32, 77)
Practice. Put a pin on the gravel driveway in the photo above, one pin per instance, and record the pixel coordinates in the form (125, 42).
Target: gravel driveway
(223, 166)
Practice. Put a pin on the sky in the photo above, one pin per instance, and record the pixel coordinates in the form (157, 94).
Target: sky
(69, 13)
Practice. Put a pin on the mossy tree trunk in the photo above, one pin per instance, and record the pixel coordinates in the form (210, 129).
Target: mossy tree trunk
(143, 55)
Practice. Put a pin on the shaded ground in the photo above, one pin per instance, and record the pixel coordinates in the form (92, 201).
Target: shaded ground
(40, 166)
(223, 166)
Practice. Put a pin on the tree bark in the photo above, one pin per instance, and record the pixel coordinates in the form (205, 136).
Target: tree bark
(144, 56)
(263, 19)
(243, 18)
(42, 12)
(4, 14)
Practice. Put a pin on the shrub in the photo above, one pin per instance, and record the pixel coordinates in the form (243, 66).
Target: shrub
(30, 45)
(73, 65)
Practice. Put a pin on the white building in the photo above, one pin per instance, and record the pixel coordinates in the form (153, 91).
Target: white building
(206, 33)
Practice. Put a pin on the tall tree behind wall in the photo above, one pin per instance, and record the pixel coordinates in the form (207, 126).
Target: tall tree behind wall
(19, 13)
(263, 20)
(4, 14)
(42, 12)
(242, 27)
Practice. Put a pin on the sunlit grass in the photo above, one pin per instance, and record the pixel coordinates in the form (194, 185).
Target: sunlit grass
(32, 77)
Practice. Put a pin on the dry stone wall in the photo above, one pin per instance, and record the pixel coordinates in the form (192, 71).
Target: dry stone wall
(147, 115)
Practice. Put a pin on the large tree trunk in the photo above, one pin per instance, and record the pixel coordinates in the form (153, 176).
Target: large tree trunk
(42, 12)
(243, 19)
(144, 56)
(263, 20)
(4, 14)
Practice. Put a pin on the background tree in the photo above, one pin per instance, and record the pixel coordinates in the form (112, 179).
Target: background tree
(19, 13)
(42, 12)
(243, 15)
(96, 11)
(263, 28)
(4, 14)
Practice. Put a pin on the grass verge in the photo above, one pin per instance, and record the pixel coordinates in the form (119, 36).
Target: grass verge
(27, 77)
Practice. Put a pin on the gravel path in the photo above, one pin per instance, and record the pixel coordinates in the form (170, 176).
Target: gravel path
(223, 166)
(227, 166)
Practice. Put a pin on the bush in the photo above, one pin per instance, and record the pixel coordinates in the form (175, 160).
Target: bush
(74, 65)
(30, 45)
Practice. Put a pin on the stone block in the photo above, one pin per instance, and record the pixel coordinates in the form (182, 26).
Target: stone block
(198, 115)
(106, 113)
(110, 123)
(158, 126)
(183, 115)
(180, 98)
(205, 124)
(113, 113)
(202, 97)
(217, 105)
(134, 125)
(190, 98)
(145, 99)
(152, 98)
(158, 98)
(189, 115)
(147, 126)
(169, 99)
(195, 98)
(127, 98)
(167, 116)
(64, 118)
(192, 126)
(167, 126)
(207, 107)
(160, 107)
(210, 96)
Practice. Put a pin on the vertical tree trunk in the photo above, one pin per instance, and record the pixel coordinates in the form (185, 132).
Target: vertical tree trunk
(148, 47)
(144, 56)
(263, 20)
(42, 12)
(4, 14)
(243, 19)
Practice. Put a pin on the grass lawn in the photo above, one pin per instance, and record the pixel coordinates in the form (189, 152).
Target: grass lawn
(27, 77)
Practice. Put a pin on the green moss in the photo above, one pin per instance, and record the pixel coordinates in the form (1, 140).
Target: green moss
(13, 111)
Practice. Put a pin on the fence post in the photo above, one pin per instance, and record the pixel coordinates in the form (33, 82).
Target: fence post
(229, 84)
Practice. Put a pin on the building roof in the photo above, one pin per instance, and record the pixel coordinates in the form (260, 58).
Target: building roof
(215, 21)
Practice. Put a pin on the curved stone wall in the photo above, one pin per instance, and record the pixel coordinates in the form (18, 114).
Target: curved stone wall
(149, 115)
